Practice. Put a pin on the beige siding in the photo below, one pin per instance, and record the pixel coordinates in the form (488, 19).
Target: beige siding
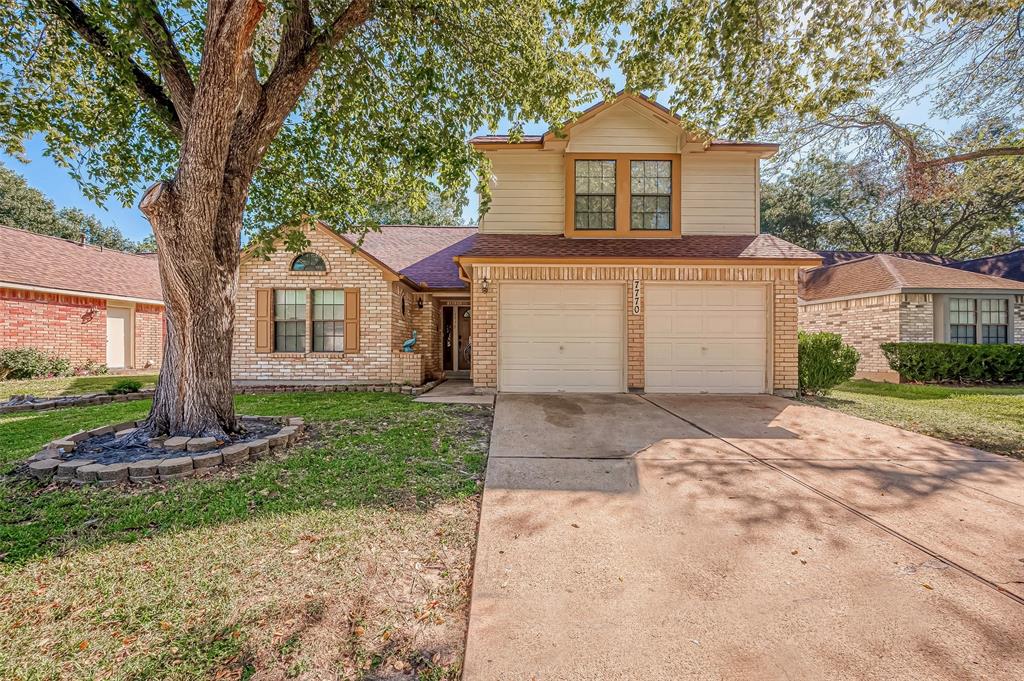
(528, 193)
(719, 193)
(624, 129)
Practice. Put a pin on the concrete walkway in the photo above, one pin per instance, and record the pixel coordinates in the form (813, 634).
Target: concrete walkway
(629, 537)
(456, 391)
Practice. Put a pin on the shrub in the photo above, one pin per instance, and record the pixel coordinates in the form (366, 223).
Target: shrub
(952, 362)
(825, 361)
(90, 368)
(124, 386)
(21, 363)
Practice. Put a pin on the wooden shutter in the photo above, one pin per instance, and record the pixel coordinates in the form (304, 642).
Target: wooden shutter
(264, 319)
(351, 320)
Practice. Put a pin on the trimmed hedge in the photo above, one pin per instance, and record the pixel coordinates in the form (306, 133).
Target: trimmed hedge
(825, 361)
(952, 362)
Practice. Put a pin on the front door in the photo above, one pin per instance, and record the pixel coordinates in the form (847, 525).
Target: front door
(118, 330)
(464, 361)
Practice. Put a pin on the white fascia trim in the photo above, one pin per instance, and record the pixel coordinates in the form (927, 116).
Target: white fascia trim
(80, 294)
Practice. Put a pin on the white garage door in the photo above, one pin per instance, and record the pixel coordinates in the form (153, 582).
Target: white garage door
(705, 338)
(561, 337)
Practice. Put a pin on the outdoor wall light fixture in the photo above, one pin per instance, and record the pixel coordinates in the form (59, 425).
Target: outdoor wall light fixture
(419, 302)
(485, 284)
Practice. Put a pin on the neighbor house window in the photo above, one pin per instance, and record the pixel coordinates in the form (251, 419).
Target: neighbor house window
(650, 200)
(329, 321)
(979, 320)
(595, 195)
(289, 321)
(995, 320)
(309, 262)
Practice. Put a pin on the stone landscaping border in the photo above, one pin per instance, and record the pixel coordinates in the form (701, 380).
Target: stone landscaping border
(189, 456)
(75, 401)
(339, 388)
(104, 398)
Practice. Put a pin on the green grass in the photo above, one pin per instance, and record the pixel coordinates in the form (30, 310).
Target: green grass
(259, 568)
(71, 385)
(989, 418)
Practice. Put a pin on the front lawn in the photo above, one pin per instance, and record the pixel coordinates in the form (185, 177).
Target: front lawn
(987, 418)
(69, 385)
(348, 557)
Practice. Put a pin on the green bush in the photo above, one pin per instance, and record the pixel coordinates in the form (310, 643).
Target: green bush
(952, 362)
(825, 361)
(21, 363)
(124, 386)
(90, 368)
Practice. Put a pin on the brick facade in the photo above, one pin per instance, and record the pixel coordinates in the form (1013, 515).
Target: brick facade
(917, 318)
(75, 327)
(382, 325)
(864, 323)
(1018, 319)
(783, 282)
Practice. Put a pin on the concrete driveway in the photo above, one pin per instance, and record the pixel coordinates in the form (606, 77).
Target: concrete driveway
(668, 537)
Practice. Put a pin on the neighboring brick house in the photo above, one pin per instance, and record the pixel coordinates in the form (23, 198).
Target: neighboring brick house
(622, 253)
(883, 298)
(80, 302)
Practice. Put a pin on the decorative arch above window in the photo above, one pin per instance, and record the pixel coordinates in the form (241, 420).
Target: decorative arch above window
(309, 262)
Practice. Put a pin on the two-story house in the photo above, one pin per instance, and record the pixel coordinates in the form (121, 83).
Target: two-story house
(622, 254)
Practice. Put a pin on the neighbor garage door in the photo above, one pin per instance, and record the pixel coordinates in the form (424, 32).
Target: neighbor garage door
(705, 338)
(561, 337)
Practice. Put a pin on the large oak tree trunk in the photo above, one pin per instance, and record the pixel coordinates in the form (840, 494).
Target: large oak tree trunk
(199, 274)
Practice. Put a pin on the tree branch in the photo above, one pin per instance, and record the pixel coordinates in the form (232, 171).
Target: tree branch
(149, 90)
(971, 156)
(168, 58)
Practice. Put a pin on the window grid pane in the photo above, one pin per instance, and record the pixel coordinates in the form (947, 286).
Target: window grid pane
(328, 321)
(650, 195)
(994, 334)
(595, 195)
(962, 333)
(994, 311)
(289, 320)
(961, 311)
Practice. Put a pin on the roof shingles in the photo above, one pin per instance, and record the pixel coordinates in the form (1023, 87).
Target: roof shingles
(423, 254)
(29, 259)
(696, 247)
(883, 273)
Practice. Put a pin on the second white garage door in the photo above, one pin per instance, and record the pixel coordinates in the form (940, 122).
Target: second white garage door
(561, 337)
(705, 338)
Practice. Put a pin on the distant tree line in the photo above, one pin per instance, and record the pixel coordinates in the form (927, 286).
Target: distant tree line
(28, 208)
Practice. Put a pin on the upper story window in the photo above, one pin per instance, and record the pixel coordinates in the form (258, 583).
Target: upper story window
(985, 320)
(650, 200)
(309, 262)
(595, 194)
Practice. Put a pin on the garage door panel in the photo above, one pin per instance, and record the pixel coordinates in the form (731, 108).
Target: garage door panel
(561, 337)
(705, 338)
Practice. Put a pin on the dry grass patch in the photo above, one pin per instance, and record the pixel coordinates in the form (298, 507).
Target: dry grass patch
(321, 594)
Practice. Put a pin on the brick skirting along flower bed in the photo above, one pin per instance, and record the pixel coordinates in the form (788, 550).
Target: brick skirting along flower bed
(173, 458)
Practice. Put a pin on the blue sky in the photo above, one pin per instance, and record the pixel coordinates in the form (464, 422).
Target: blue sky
(43, 174)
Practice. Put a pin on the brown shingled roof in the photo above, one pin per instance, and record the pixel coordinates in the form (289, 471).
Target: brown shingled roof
(413, 250)
(696, 247)
(30, 259)
(888, 273)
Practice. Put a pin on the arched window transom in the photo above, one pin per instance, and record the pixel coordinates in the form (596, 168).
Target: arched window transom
(309, 262)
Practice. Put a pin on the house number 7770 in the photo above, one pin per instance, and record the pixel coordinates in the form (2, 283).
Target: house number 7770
(636, 296)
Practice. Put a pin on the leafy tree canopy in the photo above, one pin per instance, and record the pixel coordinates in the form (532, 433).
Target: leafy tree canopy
(384, 117)
(861, 203)
(28, 208)
(436, 210)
